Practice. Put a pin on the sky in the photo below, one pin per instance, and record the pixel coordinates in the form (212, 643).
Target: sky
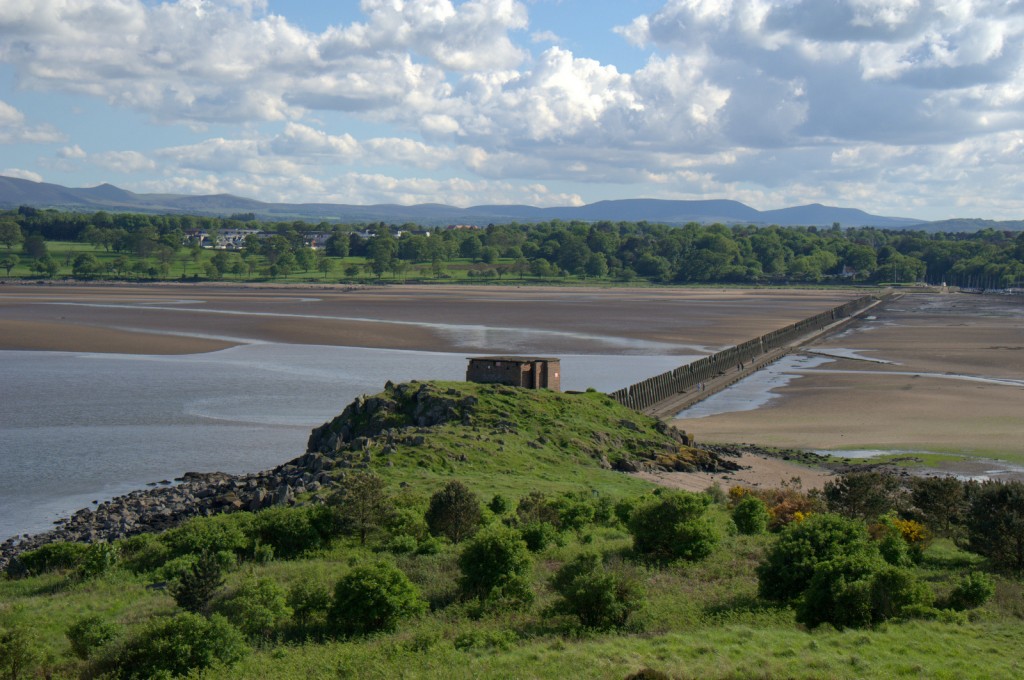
(911, 108)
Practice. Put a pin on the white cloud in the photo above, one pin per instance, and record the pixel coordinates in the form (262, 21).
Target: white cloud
(22, 174)
(14, 129)
(72, 152)
(123, 161)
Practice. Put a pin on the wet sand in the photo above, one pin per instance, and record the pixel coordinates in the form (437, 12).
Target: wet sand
(181, 318)
(941, 393)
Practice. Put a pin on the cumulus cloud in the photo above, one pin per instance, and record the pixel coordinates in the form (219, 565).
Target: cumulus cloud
(123, 161)
(22, 174)
(14, 128)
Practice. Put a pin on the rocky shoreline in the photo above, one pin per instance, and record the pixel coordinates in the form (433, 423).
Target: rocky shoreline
(197, 494)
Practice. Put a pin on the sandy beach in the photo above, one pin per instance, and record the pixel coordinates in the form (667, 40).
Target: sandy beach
(954, 384)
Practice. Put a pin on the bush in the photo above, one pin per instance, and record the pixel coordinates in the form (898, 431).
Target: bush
(974, 590)
(599, 597)
(373, 598)
(539, 535)
(50, 557)
(98, 559)
(995, 525)
(144, 552)
(859, 589)
(89, 635)
(289, 531)
(310, 599)
(941, 501)
(575, 511)
(751, 516)
(19, 651)
(498, 505)
(454, 512)
(408, 522)
(496, 563)
(196, 587)
(673, 525)
(536, 507)
(220, 533)
(258, 608)
(178, 645)
(789, 565)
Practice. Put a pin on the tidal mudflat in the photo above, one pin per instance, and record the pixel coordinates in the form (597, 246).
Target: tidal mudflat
(115, 387)
(929, 373)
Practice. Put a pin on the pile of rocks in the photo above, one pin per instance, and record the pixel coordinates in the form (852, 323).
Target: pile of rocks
(195, 494)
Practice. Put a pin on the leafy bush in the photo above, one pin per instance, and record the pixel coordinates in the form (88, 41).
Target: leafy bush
(178, 645)
(51, 557)
(575, 511)
(751, 516)
(496, 562)
(19, 651)
(310, 599)
(789, 565)
(536, 507)
(539, 535)
(974, 590)
(373, 598)
(673, 525)
(196, 587)
(859, 589)
(144, 552)
(995, 525)
(290, 531)
(599, 597)
(89, 635)
(98, 559)
(408, 522)
(210, 535)
(498, 505)
(454, 512)
(258, 608)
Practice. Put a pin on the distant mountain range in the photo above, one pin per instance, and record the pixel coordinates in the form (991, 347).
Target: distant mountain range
(16, 192)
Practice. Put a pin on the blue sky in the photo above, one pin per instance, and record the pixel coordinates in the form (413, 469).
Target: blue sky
(900, 107)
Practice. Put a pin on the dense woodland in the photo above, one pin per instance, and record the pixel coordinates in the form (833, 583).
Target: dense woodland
(157, 246)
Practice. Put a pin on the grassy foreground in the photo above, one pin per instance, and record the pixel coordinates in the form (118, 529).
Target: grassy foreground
(700, 618)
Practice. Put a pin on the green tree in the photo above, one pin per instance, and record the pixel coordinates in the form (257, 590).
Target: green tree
(864, 495)
(46, 266)
(258, 608)
(34, 246)
(995, 524)
(454, 512)
(942, 502)
(600, 597)
(196, 587)
(85, 265)
(173, 647)
(373, 598)
(9, 262)
(751, 515)
(365, 505)
(10, 233)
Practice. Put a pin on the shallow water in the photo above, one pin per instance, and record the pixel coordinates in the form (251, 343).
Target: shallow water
(78, 427)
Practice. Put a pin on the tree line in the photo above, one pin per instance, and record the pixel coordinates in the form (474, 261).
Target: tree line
(694, 253)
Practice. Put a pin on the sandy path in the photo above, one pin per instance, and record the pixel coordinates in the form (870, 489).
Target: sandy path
(759, 472)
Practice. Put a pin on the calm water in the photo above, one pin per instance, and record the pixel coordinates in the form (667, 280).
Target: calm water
(81, 427)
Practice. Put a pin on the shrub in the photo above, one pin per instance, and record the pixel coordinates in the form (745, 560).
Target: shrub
(789, 565)
(863, 495)
(144, 552)
(995, 525)
(373, 598)
(196, 587)
(498, 505)
(408, 522)
(215, 534)
(258, 608)
(859, 589)
(310, 599)
(673, 525)
(539, 535)
(496, 562)
(19, 651)
(51, 557)
(290, 531)
(575, 511)
(974, 590)
(89, 635)
(98, 559)
(536, 507)
(751, 516)
(178, 645)
(454, 512)
(598, 597)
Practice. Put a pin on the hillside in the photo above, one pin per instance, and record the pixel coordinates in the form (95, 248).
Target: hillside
(15, 192)
(454, 530)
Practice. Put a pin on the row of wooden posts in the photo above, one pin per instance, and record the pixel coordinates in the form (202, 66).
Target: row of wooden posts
(647, 393)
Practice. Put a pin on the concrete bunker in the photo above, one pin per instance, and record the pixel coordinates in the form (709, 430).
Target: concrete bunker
(530, 372)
